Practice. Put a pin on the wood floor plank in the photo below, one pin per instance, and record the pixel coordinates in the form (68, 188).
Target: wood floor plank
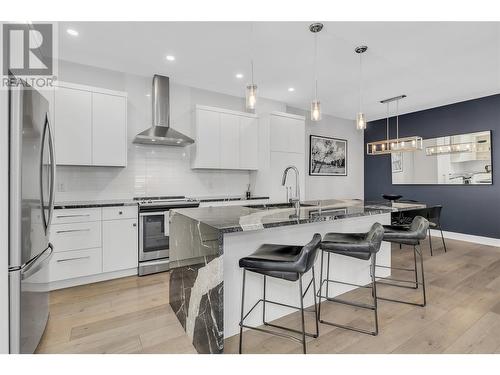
(133, 315)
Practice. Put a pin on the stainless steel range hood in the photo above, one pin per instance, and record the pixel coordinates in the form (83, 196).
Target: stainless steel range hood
(161, 133)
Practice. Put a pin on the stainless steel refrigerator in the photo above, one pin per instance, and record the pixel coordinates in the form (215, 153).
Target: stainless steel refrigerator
(31, 204)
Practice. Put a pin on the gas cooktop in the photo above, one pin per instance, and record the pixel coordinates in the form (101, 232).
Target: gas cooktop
(167, 201)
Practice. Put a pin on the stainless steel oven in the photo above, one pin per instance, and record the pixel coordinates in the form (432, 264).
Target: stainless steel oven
(154, 231)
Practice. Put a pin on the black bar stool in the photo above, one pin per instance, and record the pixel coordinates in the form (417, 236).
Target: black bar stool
(407, 235)
(357, 245)
(284, 262)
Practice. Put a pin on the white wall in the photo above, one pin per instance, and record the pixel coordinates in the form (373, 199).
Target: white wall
(4, 217)
(324, 187)
(151, 170)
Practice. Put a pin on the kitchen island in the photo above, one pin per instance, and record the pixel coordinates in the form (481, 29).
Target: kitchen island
(206, 244)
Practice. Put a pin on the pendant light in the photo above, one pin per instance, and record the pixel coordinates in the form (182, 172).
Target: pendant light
(360, 117)
(315, 28)
(251, 89)
(389, 146)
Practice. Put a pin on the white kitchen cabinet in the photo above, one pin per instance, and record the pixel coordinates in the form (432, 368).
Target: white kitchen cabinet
(207, 143)
(73, 264)
(229, 141)
(73, 126)
(282, 143)
(249, 143)
(225, 139)
(90, 125)
(109, 130)
(119, 245)
(93, 244)
(287, 134)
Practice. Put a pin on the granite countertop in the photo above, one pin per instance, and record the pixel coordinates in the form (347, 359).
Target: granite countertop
(96, 203)
(243, 218)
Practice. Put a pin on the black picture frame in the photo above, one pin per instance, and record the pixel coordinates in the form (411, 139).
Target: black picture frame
(317, 170)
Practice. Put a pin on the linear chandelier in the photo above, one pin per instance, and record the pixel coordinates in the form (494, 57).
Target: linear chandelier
(454, 148)
(389, 146)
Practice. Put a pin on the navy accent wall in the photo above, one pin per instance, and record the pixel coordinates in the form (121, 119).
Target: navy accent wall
(469, 209)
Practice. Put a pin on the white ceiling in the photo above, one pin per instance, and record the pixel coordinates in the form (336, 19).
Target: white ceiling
(434, 63)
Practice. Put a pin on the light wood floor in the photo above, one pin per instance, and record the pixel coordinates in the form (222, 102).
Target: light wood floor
(132, 315)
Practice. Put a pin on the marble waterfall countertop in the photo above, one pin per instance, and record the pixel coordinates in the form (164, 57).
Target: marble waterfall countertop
(248, 217)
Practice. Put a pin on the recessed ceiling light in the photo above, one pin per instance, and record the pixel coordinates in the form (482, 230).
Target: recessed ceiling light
(239, 76)
(291, 89)
(170, 58)
(72, 32)
(148, 95)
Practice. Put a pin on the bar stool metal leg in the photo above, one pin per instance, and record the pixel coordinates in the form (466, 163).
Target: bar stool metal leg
(320, 286)
(418, 251)
(430, 240)
(442, 238)
(315, 304)
(242, 310)
(374, 292)
(302, 315)
(422, 270)
(355, 304)
(415, 267)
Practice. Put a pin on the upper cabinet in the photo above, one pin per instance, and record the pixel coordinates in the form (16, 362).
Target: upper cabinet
(225, 139)
(109, 130)
(282, 143)
(90, 126)
(287, 133)
(73, 126)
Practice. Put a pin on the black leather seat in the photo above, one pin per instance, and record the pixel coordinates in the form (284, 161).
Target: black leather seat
(288, 262)
(408, 235)
(356, 245)
(282, 261)
(362, 246)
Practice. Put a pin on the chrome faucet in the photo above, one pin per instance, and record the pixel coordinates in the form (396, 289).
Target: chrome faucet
(296, 199)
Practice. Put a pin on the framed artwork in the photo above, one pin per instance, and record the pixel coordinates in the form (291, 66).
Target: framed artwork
(397, 162)
(327, 156)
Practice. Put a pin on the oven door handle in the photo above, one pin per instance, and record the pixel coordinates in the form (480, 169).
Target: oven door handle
(166, 223)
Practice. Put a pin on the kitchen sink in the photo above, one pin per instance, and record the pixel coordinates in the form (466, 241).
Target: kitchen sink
(271, 206)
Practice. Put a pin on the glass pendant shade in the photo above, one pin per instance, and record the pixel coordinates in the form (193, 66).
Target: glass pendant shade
(315, 110)
(360, 121)
(251, 96)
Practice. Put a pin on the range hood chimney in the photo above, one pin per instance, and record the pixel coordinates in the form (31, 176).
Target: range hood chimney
(161, 133)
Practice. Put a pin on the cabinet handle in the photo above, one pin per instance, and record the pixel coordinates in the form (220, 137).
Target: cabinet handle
(73, 230)
(80, 215)
(70, 259)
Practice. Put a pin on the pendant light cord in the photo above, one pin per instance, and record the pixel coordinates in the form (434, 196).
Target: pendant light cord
(397, 120)
(316, 66)
(387, 122)
(251, 49)
(360, 79)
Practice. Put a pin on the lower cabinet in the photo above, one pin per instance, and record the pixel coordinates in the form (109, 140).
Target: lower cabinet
(75, 263)
(93, 244)
(119, 245)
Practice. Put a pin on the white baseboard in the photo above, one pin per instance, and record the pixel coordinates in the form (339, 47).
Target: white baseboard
(91, 279)
(467, 238)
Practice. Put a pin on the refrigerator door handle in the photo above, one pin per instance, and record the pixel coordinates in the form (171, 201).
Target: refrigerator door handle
(36, 264)
(42, 194)
(52, 174)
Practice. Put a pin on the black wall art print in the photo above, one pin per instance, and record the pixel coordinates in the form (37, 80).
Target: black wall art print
(327, 156)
